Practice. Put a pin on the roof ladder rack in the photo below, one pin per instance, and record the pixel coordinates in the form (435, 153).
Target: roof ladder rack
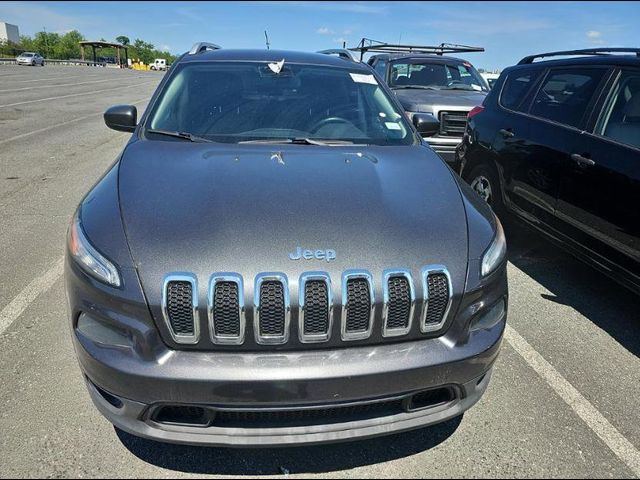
(369, 45)
(203, 47)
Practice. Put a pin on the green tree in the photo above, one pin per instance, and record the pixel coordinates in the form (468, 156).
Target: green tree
(26, 43)
(45, 43)
(123, 40)
(69, 45)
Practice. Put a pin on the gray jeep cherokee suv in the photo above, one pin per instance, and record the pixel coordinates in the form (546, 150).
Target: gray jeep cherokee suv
(276, 258)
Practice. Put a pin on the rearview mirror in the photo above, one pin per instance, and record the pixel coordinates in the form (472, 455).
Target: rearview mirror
(121, 117)
(426, 124)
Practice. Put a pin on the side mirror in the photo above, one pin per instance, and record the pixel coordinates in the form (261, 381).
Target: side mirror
(426, 124)
(121, 117)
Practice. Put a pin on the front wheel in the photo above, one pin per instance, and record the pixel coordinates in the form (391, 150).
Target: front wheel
(484, 180)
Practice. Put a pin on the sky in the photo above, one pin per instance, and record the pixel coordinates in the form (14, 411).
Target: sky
(507, 30)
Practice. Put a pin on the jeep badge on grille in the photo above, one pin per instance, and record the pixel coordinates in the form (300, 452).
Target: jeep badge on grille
(327, 255)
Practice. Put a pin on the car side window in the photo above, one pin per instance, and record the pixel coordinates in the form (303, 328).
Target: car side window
(516, 87)
(621, 116)
(566, 94)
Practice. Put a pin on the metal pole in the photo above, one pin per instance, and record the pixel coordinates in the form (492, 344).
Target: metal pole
(46, 42)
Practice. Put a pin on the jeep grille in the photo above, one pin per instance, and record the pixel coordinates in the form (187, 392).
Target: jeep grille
(271, 315)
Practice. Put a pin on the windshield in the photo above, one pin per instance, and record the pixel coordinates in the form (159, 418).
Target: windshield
(439, 76)
(238, 102)
(27, 54)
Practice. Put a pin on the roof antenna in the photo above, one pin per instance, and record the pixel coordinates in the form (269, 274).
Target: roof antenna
(266, 37)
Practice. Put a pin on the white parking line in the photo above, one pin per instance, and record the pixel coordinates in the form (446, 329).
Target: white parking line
(94, 92)
(61, 85)
(57, 125)
(39, 285)
(589, 414)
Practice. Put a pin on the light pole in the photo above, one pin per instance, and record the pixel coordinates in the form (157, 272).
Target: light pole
(46, 42)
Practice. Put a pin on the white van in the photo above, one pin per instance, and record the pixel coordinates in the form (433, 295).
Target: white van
(159, 64)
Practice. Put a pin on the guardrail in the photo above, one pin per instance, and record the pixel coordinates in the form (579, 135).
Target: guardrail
(72, 62)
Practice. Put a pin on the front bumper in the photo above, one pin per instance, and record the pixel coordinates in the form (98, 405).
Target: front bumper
(128, 387)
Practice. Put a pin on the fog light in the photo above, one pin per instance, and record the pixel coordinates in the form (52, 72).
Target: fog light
(491, 317)
(100, 332)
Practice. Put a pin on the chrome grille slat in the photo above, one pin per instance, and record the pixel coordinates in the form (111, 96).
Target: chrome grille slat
(399, 302)
(437, 297)
(271, 309)
(453, 124)
(227, 322)
(180, 307)
(357, 305)
(316, 305)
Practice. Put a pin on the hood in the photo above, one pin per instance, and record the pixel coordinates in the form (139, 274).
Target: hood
(203, 208)
(433, 101)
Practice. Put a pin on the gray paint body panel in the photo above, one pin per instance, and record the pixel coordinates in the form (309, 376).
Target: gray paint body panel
(205, 208)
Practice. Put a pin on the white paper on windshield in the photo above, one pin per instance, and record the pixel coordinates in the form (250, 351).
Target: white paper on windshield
(363, 78)
(392, 126)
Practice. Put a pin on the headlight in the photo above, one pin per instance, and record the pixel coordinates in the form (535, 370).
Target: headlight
(88, 258)
(494, 255)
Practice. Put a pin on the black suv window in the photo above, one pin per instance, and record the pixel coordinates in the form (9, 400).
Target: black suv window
(565, 94)
(515, 89)
(621, 118)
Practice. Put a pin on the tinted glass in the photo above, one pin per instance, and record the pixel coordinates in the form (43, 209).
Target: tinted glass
(233, 102)
(565, 95)
(381, 66)
(515, 89)
(621, 119)
(437, 75)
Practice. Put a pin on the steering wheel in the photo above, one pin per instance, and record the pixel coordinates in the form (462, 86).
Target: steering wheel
(456, 82)
(326, 121)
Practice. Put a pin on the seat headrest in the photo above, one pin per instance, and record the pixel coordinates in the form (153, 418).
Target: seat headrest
(430, 75)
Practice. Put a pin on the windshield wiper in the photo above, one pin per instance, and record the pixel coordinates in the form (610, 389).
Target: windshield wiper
(419, 87)
(185, 135)
(297, 141)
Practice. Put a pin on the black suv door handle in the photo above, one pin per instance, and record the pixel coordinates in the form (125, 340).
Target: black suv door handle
(506, 133)
(582, 160)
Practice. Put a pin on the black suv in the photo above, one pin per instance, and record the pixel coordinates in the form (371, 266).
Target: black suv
(557, 142)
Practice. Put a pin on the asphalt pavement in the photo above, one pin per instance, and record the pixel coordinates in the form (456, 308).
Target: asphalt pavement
(564, 400)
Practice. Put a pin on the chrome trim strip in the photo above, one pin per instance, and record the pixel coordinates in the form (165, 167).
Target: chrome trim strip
(271, 339)
(182, 277)
(426, 271)
(346, 276)
(386, 275)
(213, 281)
(315, 337)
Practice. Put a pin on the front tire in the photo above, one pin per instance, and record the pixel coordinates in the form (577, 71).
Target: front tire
(484, 180)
